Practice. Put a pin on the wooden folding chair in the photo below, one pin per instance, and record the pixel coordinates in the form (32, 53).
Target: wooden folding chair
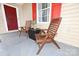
(25, 28)
(49, 36)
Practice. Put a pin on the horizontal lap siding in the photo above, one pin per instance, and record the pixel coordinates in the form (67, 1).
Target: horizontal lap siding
(69, 28)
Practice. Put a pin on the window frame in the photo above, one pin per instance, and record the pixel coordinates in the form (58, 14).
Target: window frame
(49, 19)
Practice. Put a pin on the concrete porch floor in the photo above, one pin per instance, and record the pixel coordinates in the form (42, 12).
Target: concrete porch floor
(12, 45)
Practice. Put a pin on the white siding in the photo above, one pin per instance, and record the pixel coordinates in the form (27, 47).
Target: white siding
(2, 26)
(69, 28)
(25, 13)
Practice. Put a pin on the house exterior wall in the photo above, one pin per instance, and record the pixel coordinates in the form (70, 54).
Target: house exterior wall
(68, 31)
(69, 28)
(2, 26)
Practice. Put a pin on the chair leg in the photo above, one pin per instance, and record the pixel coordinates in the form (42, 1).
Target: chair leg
(38, 45)
(19, 33)
(40, 48)
(56, 44)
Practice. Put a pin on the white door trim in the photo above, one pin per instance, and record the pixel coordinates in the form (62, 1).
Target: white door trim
(4, 17)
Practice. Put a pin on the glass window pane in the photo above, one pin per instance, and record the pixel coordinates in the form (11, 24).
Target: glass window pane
(39, 6)
(48, 5)
(48, 11)
(40, 19)
(48, 18)
(40, 13)
(44, 19)
(44, 5)
(44, 12)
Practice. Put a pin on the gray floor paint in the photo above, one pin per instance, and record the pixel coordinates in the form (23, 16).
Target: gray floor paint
(12, 45)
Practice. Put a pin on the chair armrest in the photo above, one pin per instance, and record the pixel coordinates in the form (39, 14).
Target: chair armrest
(21, 27)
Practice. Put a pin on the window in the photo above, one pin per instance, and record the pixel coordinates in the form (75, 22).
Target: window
(43, 12)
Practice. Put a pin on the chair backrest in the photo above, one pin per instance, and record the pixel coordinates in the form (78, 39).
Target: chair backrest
(53, 27)
(28, 24)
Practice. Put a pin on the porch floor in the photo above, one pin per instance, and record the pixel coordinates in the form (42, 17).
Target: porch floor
(12, 45)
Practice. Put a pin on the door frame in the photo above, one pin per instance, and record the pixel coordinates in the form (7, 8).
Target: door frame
(4, 16)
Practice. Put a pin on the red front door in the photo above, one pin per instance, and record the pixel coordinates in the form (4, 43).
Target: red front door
(11, 17)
